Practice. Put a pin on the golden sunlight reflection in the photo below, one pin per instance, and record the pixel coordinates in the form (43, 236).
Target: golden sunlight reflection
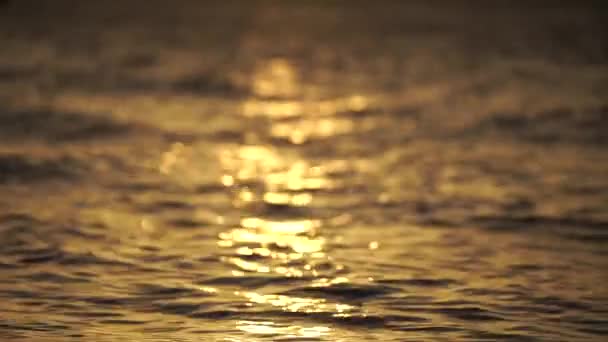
(299, 304)
(299, 177)
(298, 132)
(171, 157)
(267, 181)
(276, 78)
(248, 162)
(295, 243)
(276, 83)
(283, 109)
(282, 198)
(324, 282)
(289, 331)
(276, 171)
(281, 227)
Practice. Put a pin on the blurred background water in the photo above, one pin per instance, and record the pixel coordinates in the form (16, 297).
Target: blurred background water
(303, 171)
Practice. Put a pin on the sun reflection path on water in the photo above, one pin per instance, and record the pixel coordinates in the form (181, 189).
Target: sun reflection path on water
(279, 235)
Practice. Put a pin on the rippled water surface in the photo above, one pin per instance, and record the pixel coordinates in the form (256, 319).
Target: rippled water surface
(303, 171)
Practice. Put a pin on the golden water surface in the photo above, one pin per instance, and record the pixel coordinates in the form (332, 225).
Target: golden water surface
(302, 171)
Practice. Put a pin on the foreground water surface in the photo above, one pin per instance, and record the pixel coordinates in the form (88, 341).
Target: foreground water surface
(303, 171)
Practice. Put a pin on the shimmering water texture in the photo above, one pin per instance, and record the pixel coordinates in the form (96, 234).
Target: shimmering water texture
(303, 171)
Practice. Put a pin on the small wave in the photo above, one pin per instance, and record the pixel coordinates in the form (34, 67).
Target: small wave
(54, 126)
(554, 126)
(347, 292)
(23, 168)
